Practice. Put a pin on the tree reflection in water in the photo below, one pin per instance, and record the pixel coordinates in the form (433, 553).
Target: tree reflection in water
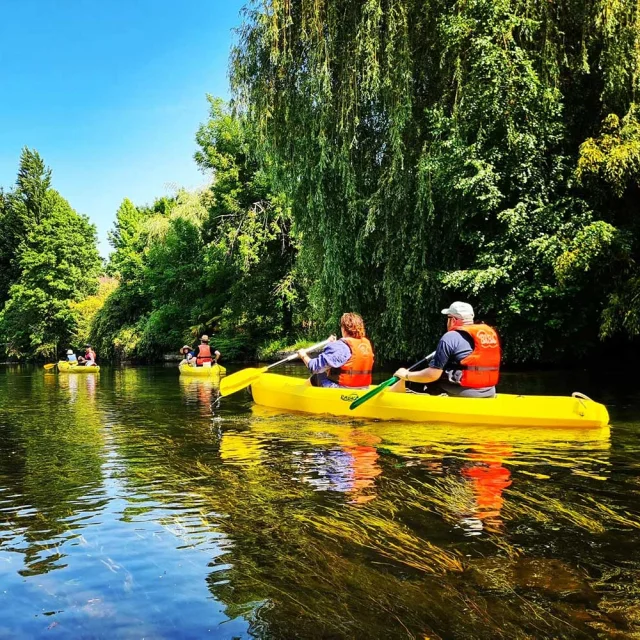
(302, 526)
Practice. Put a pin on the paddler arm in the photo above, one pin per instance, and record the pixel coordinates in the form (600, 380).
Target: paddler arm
(319, 363)
(430, 374)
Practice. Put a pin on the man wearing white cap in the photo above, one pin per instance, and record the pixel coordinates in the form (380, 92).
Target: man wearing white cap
(468, 355)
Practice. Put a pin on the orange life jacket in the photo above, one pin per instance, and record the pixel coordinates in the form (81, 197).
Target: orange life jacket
(481, 368)
(356, 371)
(203, 355)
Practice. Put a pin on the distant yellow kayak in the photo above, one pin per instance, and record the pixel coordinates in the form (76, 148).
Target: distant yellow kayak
(295, 394)
(68, 367)
(202, 372)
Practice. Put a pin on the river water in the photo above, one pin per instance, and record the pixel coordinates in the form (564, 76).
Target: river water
(131, 506)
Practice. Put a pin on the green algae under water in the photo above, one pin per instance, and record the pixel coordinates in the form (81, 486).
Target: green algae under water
(132, 506)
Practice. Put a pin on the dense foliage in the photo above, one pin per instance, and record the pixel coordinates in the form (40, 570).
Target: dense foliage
(221, 260)
(48, 264)
(383, 156)
(485, 150)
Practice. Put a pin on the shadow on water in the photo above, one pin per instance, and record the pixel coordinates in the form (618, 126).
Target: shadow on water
(135, 503)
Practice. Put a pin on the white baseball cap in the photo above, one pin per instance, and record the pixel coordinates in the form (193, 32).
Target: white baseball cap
(462, 310)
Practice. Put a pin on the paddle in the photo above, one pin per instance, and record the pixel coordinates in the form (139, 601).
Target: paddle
(387, 383)
(245, 377)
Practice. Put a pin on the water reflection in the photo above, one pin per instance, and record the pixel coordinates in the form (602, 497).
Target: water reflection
(488, 479)
(133, 501)
(50, 466)
(200, 392)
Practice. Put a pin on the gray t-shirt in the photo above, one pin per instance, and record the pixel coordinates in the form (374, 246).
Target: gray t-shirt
(451, 350)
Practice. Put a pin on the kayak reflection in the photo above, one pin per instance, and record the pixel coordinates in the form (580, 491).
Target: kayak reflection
(470, 465)
(202, 392)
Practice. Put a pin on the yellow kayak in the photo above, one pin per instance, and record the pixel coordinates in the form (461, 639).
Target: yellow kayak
(67, 367)
(202, 372)
(295, 394)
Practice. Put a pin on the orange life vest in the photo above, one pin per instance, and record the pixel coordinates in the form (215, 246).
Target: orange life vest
(203, 355)
(356, 371)
(481, 368)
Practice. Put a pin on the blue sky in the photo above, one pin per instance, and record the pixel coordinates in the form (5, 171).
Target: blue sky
(111, 94)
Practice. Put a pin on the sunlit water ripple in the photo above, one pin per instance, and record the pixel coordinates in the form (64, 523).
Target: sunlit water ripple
(133, 504)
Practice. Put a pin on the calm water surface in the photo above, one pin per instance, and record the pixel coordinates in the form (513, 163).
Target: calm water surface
(131, 506)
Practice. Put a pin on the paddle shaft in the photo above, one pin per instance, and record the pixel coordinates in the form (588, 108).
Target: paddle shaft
(293, 356)
(245, 377)
(417, 365)
(387, 383)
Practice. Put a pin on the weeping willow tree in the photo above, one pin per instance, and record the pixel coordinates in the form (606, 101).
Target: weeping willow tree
(430, 149)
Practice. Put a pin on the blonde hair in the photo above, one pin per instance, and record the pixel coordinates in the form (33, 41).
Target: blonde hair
(353, 324)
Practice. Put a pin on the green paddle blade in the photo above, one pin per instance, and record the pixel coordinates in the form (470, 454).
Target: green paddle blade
(239, 380)
(374, 392)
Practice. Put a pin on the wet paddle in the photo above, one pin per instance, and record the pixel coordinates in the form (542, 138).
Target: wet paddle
(245, 377)
(387, 383)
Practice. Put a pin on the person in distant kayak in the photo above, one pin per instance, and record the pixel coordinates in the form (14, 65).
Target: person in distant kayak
(187, 356)
(89, 359)
(203, 353)
(467, 360)
(347, 362)
(71, 357)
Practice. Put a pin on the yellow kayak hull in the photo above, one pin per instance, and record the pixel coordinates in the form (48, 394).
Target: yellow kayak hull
(294, 394)
(202, 372)
(67, 367)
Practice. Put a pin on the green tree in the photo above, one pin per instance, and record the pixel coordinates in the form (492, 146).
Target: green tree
(20, 210)
(430, 151)
(55, 262)
(253, 246)
(220, 260)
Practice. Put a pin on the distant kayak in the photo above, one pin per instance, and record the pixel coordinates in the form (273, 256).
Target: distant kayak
(202, 372)
(68, 367)
(295, 394)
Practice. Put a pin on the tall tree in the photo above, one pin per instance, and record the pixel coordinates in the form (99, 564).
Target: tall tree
(429, 150)
(219, 260)
(53, 262)
(20, 210)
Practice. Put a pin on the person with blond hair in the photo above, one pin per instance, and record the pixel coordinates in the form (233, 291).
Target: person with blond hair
(344, 362)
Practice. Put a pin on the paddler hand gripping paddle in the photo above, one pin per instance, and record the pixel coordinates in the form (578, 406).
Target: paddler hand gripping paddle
(245, 377)
(387, 383)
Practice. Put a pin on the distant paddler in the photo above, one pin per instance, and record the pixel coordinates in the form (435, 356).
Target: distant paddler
(89, 359)
(71, 356)
(346, 362)
(468, 355)
(187, 356)
(203, 356)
